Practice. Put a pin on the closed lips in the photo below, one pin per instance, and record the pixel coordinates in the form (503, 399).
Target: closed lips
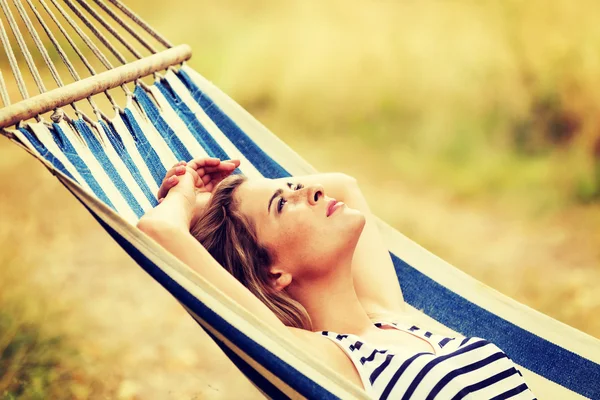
(330, 206)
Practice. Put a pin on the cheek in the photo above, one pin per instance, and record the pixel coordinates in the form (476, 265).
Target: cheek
(296, 235)
(305, 239)
(292, 239)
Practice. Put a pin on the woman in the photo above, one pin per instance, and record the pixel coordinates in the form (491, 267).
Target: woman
(308, 259)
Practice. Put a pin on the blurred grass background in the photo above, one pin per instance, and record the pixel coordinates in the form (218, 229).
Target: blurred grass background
(473, 128)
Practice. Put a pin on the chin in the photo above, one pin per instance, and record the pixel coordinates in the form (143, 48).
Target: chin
(353, 226)
(356, 219)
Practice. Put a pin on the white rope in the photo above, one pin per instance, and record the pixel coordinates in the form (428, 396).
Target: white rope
(57, 116)
(14, 65)
(38, 42)
(86, 39)
(141, 23)
(24, 49)
(96, 32)
(125, 25)
(64, 57)
(112, 23)
(4, 91)
(112, 30)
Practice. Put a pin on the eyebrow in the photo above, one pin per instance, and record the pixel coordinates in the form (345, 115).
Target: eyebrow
(278, 192)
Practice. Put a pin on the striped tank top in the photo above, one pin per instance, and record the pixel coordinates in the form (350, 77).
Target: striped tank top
(460, 368)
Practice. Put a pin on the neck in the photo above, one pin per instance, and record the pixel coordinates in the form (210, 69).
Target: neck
(332, 303)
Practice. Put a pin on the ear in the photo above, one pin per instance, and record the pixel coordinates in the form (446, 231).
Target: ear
(280, 278)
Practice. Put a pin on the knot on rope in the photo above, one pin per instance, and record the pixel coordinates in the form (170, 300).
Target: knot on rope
(57, 115)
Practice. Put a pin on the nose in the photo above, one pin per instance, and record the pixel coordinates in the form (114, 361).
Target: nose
(314, 193)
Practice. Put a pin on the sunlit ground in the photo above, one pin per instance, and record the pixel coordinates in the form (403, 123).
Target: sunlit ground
(472, 127)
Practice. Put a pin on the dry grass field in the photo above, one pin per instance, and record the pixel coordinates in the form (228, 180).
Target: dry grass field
(473, 128)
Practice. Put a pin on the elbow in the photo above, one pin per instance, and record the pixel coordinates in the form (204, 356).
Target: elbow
(147, 225)
(346, 180)
(153, 227)
(161, 231)
(349, 179)
(348, 183)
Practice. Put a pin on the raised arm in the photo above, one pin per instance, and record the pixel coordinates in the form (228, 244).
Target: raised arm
(169, 224)
(374, 276)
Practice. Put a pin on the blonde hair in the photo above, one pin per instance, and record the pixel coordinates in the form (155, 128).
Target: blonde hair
(230, 237)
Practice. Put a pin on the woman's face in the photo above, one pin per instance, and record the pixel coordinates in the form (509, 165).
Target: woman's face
(306, 232)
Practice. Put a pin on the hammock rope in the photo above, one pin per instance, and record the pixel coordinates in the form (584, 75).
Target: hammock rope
(3, 91)
(68, 63)
(57, 115)
(107, 64)
(109, 28)
(126, 26)
(135, 18)
(14, 65)
(38, 43)
(86, 39)
(103, 39)
(24, 49)
(92, 20)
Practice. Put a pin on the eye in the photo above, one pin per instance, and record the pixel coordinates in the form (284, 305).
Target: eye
(280, 204)
(282, 201)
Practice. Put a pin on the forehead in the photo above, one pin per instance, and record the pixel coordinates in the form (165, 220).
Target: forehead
(253, 196)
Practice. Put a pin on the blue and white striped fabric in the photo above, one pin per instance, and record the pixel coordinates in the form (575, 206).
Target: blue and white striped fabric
(115, 169)
(456, 368)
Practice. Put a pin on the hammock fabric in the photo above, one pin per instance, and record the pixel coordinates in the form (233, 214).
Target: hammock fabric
(115, 165)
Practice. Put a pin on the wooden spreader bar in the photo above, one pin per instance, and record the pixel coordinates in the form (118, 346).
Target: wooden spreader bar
(87, 87)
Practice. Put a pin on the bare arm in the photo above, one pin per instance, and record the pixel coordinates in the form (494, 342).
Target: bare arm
(374, 276)
(168, 224)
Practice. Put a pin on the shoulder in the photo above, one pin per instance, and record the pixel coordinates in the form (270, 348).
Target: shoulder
(312, 339)
(325, 350)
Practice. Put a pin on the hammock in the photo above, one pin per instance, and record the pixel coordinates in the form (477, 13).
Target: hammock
(114, 165)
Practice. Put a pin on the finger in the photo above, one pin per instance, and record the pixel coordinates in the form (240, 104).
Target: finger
(224, 166)
(206, 178)
(215, 178)
(177, 170)
(235, 162)
(228, 165)
(178, 164)
(167, 185)
(160, 200)
(195, 176)
(202, 171)
(209, 187)
(204, 162)
(216, 175)
(168, 182)
(219, 176)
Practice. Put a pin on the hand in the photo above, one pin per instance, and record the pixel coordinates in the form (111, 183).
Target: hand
(204, 176)
(211, 171)
(170, 180)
